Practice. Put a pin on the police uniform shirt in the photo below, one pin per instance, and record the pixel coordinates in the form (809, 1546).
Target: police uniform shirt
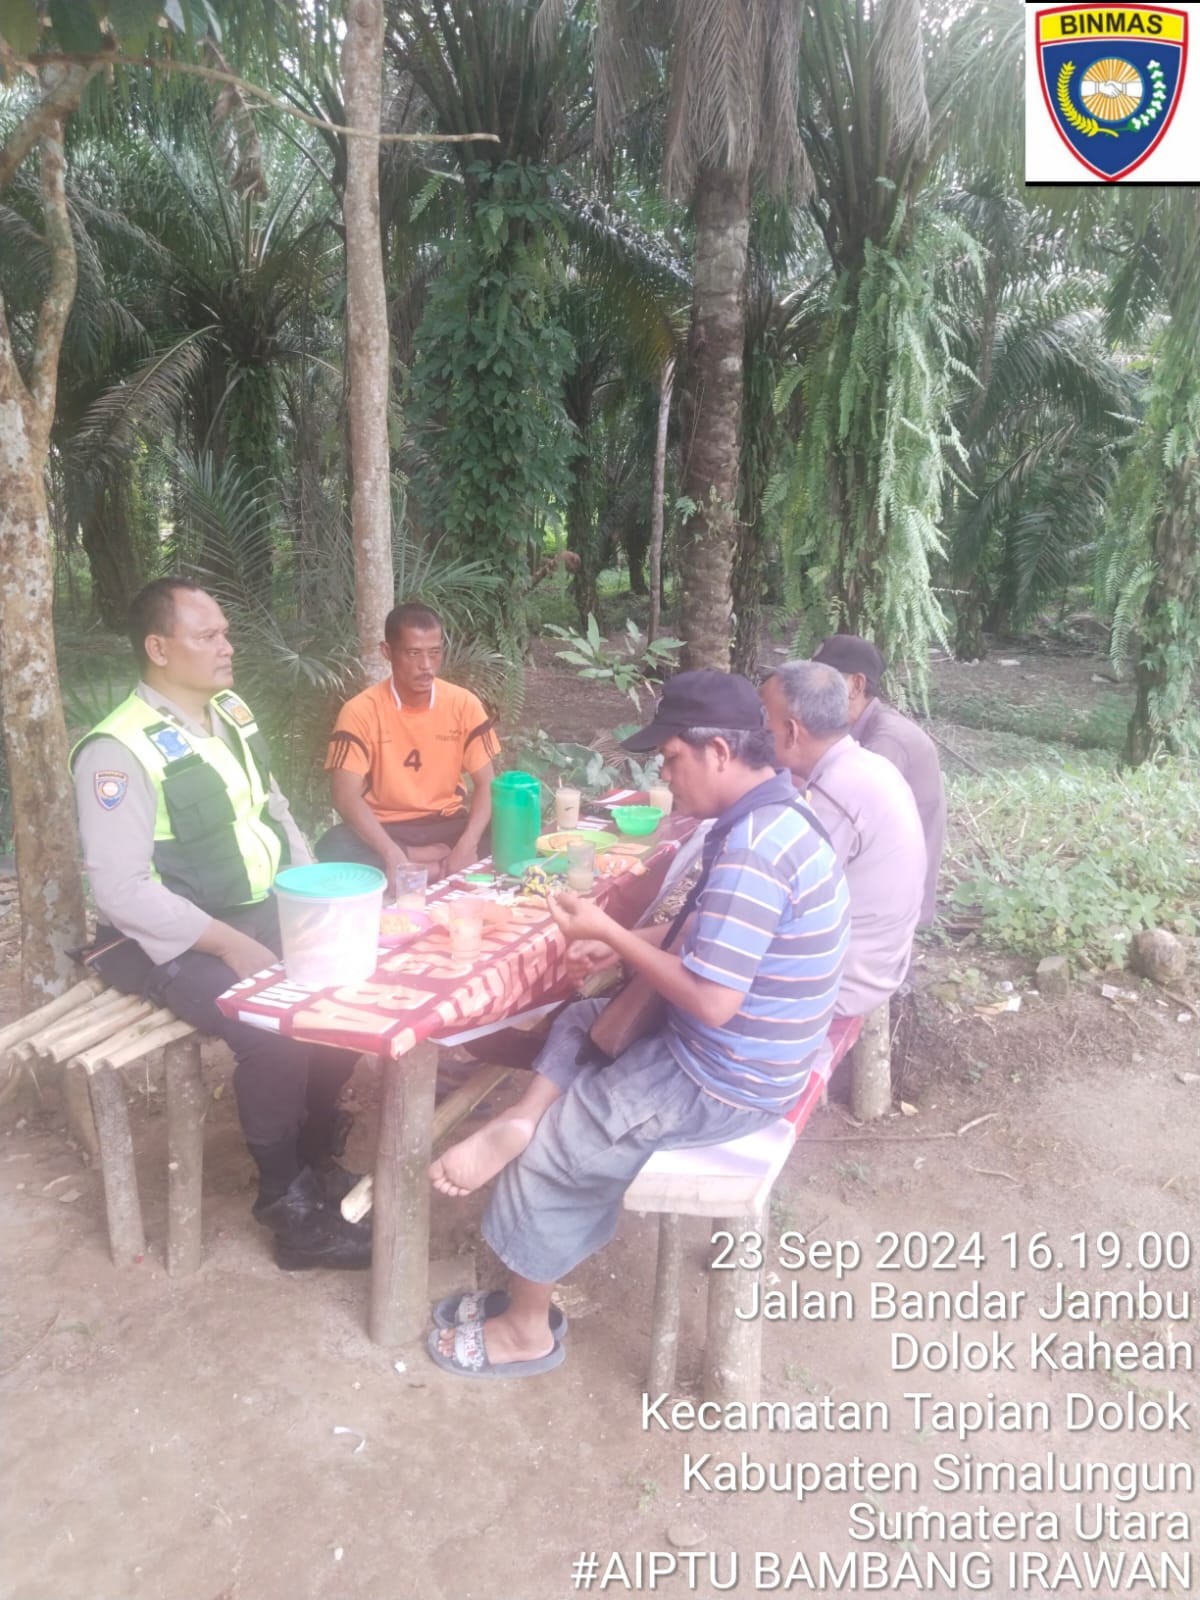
(117, 805)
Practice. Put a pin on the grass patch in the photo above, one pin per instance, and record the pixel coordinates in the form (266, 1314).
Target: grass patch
(1100, 726)
(1077, 861)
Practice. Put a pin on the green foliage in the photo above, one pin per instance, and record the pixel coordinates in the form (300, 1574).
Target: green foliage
(1056, 719)
(87, 26)
(485, 394)
(630, 671)
(861, 521)
(592, 768)
(1077, 861)
(1148, 568)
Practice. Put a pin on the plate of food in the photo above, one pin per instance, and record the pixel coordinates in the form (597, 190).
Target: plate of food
(399, 925)
(553, 844)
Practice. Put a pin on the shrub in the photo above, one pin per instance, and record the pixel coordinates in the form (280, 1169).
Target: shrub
(1077, 861)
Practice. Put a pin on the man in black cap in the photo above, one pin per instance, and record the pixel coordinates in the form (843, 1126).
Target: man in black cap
(749, 993)
(880, 727)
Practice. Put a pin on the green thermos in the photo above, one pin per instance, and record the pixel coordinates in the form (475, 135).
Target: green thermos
(516, 818)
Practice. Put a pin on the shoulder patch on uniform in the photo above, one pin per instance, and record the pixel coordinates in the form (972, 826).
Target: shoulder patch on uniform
(235, 708)
(110, 788)
(170, 743)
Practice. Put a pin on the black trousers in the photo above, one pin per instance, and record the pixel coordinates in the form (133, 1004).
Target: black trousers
(280, 1084)
(341, 843)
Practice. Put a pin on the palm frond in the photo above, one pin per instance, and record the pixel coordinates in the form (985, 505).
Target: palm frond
(150, 402)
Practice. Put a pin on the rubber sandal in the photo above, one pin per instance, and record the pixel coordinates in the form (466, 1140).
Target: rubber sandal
(469, 1359)
(469, 1305)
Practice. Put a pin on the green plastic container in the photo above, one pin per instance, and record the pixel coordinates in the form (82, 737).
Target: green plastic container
(516, 818)
(637, 819)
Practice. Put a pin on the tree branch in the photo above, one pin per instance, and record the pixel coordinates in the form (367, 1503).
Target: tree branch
(192, 69)
(60, 293)
(59, 101)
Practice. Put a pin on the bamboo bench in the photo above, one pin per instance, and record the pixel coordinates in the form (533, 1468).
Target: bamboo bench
(98, 1030)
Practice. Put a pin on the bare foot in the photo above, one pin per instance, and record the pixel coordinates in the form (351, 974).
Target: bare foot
(504, 1342)
(473, 1161)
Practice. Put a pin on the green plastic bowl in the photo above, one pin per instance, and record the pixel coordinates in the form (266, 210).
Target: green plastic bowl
(637, 819)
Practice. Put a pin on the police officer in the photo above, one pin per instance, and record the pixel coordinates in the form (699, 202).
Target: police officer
(183, 831)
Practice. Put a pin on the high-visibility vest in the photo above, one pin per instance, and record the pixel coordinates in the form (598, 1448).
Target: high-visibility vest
(214, 840)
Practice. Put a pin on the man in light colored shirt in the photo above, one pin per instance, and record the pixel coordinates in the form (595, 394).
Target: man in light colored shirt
(183, 831)
(889, 733)
(870, 815)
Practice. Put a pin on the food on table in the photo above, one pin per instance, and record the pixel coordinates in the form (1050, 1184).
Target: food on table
(553, 844)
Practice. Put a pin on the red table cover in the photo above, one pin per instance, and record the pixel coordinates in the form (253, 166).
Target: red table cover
(419, 990)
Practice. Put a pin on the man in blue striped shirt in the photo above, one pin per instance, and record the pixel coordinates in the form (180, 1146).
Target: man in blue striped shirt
(749, 997)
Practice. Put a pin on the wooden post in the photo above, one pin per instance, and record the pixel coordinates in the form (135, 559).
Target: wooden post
(733, 1344)
(186, 1105)
(871, 1066)
(126, 1236)
(664, 1327)
(400, 1248)
(460, 1103)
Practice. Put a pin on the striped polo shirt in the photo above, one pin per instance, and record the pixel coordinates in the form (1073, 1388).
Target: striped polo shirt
(772, 922)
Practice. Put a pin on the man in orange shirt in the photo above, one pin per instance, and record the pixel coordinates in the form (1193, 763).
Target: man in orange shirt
(398, 756)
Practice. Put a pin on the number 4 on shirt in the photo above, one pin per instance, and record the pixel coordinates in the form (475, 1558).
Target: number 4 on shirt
(413, 760)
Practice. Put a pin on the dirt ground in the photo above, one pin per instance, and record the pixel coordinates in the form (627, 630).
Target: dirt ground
(235, 1436)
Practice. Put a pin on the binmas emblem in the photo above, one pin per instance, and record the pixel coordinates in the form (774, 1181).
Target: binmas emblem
(1111, 77)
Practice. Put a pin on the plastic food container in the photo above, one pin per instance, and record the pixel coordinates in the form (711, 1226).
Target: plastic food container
(329, 922)
(637, 819)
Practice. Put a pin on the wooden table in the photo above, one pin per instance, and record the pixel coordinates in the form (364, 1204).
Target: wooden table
(417, 995)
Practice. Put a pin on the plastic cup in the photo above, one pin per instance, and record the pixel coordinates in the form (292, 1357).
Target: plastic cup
(566, 807)
(581, 866)
(408, 888)
(465, 918)
(661, 796)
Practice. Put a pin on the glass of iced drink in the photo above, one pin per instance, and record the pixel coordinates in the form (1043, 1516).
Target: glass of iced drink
(465, 917)
(581, 866)
(408, 888)
(660, 795)
(566, 807)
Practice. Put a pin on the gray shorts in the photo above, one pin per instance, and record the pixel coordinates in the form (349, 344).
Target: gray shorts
(560, 1201)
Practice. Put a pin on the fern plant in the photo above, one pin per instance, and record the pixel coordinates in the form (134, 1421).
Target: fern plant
(860, 520)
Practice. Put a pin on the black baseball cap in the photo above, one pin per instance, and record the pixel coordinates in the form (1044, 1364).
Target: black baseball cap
(705, 699)
(848, 653)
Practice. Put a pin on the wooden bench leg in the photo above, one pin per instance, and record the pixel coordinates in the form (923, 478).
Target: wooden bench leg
(733, 1344)
(664, 1328)
(126, 1236)
(871, 1065)
(186, 1104)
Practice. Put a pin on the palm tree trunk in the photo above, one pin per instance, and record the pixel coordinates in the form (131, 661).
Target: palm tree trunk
(657, 509)
(35, 735)
(368, 349)
(1166, 672)
(583, 536)
(712, 413)
(109, 531)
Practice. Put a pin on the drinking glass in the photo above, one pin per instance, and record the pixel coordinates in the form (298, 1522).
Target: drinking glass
(408, 888)
(566, 807)
(661, 796)
(466, 927)
(581, 866)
